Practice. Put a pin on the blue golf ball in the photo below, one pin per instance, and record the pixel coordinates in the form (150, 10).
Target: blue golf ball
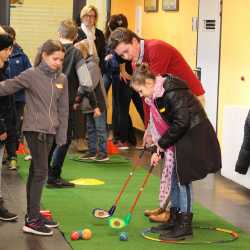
(123, 236)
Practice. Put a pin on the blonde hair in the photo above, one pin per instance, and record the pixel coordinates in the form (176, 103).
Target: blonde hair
(86, 9)
(83, 46)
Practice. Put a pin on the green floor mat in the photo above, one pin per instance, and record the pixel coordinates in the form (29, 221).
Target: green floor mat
(73, 209)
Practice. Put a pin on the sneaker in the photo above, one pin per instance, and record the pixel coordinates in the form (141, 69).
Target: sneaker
(13, 164)
(36, 226)
(28, 158)
(102, 157)
(59, 183)
(122, 145)
(5, 215)
(87, 156)
(49, 222)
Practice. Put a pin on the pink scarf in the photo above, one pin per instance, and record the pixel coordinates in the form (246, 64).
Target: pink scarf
(157, 128)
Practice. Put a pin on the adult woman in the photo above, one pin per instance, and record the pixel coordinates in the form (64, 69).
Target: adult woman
(118, 71)
(88, 30)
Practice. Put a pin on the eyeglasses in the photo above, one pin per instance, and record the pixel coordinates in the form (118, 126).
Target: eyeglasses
(90, 16)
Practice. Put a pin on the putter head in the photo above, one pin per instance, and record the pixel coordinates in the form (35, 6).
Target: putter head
(112, 210)
(116, 223)
(100, 213)
(128, 218)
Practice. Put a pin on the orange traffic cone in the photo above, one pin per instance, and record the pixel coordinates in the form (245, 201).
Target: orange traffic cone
(111, 147)
(21, 149)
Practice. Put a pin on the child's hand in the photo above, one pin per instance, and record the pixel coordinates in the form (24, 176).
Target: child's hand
(108, 57)
(155, 158)
(76, 106)
(3, 136)
(97, 112)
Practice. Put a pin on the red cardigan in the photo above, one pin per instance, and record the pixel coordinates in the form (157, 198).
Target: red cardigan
(163, 59)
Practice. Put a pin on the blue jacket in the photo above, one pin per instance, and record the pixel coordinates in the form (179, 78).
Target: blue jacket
(18, 62)
(111, 67)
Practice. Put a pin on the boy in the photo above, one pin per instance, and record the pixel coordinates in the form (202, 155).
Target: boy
(76, 71)
(6, 43)
(18, 62)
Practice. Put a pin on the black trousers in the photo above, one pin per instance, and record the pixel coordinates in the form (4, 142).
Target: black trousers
(39, 145)
(57, 154)
(122, 95)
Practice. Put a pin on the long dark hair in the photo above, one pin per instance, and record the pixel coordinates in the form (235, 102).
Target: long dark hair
(115, 21)
(49, 47)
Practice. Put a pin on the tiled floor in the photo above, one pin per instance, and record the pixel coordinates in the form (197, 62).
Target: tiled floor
(223, 197)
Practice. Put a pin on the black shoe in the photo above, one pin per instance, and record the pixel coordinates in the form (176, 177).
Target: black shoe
(49, 222)
(5, 215)
(170, 224)
(87, 156)
(102, 157)
(36, 226)
(59, 183)
(66, 183)
(182, 230)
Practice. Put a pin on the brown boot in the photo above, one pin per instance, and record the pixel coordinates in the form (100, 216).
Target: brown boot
(155, 211)
(160, 218)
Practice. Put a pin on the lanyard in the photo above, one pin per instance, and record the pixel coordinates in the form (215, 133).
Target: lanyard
(141, 55)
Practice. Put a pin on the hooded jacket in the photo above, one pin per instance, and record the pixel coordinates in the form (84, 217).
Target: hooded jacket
(18, 62)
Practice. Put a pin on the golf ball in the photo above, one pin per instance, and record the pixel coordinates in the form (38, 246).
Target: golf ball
(123, 236)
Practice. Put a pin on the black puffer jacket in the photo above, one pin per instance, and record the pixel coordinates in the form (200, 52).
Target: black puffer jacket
(197, 150)
(243, 161)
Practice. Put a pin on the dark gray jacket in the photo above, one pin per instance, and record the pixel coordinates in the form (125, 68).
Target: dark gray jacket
(47, 105)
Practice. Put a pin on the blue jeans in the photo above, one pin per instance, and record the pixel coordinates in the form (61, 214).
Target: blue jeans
(181, 195)
(97, 133)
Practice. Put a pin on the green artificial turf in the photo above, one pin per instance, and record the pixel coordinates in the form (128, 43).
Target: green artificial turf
(73, 209)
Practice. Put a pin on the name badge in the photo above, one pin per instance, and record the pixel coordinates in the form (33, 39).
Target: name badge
(162, 110)
(59, 85)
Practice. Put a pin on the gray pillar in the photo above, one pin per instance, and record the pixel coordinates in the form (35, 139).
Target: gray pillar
(77, 6)
(108, 9)
(4, 12)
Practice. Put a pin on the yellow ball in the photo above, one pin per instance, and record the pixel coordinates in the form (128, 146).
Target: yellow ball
(86, 234)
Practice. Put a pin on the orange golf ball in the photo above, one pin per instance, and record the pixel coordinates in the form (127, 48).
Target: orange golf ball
(86, 234)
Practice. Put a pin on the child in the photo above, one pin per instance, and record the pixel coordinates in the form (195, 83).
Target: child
(18, 62)
(74, 67)
(45, 117)
(179, 126)
(96, 125)
(6, 43)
